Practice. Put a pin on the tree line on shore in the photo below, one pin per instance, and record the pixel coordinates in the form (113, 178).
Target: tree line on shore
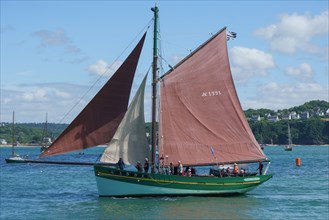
(313, 131)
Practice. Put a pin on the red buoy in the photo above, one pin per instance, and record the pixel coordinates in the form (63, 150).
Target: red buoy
(298, 161)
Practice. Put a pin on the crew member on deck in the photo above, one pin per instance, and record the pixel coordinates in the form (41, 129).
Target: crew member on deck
(189, 173)
(242, 172)
(171, 169)
(180, 169)
(146, 165)
(121, 164)
(228, 171)
(260, 168)
(235, 169)
(139, 167)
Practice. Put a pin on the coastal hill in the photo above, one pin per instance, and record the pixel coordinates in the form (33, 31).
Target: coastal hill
(309, 124)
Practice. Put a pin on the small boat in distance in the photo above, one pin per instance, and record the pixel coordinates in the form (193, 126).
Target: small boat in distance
(46, 140)
(201, 124)
(288, 147)
(15, 158)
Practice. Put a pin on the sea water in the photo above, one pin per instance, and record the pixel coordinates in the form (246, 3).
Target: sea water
(45, 191)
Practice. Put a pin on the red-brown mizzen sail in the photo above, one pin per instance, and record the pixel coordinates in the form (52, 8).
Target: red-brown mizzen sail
(99, 120)
(201, 119)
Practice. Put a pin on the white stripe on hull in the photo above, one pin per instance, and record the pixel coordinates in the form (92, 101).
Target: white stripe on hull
(108, 187)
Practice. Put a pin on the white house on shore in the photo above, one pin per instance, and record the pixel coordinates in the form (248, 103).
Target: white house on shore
(272, 118)
(286, 117)
(290, 116)
(304, 115)
(294, 116)
(255, 118)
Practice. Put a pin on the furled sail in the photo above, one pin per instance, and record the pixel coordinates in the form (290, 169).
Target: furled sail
(99, 120)
(201, 119)
(130, 141)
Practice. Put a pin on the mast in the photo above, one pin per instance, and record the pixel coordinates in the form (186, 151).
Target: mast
(45, 130)
(13, 137)
(289, 136)
(46, 125)
(154, 85)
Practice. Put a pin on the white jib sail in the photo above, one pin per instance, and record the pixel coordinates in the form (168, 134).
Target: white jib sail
(130, 141)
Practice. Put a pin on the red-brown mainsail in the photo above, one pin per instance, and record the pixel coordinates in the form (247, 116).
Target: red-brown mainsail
(99, 120)
(200, 112)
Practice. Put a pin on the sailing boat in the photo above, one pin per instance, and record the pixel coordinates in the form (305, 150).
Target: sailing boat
(201, 124)
(289, 146)
(15, 158)
(46, 141)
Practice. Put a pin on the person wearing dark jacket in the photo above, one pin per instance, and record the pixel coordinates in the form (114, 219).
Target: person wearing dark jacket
(260, 168)
(139, 167)
(121, 164)
(146, 165)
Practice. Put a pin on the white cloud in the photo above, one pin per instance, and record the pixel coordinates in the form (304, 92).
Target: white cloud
(294, 32)
(98, 68)
(6, 100)
(56, 38)
(102, 67)
(62, 94)
(31, 101)
(303, 72)
(247, 63)
(48, 38)
(73, 49)
(280, 96)
(38, 95)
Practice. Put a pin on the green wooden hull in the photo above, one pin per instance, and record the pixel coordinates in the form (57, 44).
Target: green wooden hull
(118, 183)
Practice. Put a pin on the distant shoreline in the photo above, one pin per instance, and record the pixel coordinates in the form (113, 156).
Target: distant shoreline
(31, 145)
(21, 145)
(266, 145)
(295, 145)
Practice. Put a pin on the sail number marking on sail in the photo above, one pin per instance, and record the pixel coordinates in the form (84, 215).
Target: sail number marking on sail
(211, 93)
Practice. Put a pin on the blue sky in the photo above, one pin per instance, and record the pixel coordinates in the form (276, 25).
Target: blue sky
(53, 51)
